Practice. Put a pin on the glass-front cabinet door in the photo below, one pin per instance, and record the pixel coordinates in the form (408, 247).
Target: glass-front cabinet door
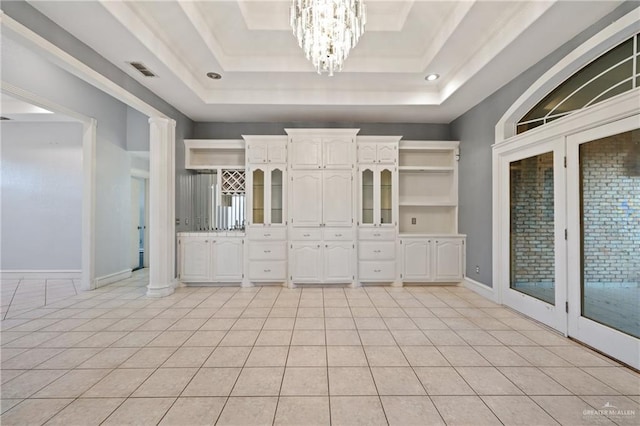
(257, 196)
(377, 191)
(267, 195)
(276, 198)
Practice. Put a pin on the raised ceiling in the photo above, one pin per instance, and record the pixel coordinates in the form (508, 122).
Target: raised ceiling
(475, 46)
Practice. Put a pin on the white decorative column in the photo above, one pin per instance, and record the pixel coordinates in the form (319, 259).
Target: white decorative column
(162, 137)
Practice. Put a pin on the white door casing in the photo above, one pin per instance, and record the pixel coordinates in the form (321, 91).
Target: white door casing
(620, 345)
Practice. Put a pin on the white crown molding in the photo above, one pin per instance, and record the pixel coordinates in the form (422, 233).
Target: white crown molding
(505, 32)
(320, 97)
(15, 30)
(449, 26)
(146, 35)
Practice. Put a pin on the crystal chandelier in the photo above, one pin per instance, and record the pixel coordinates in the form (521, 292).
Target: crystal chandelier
(327, 30)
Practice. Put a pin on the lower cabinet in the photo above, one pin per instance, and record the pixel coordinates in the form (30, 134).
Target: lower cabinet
(210, 259)
(321, 262)
(432, 259)
(376, 257)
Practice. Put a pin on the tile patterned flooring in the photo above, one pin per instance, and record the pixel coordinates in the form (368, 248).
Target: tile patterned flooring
(310, 356)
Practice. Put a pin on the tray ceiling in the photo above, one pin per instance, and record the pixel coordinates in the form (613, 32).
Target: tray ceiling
(475, 46)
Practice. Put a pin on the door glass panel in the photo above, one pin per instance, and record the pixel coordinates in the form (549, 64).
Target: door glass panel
(532, 251)
(385, 197)
(276, 196)
(610, 228)
(258, 196)
(367, 196)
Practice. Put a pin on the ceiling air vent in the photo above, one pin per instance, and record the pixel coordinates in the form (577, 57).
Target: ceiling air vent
(142, 68)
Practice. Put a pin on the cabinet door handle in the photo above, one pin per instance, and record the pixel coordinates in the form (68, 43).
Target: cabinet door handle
(326, 246)
(267, 270)
(306, 235)
(267, 235)
(267, 251)
(206, 241)
(376, 235)
(338, 235)
(376, 270)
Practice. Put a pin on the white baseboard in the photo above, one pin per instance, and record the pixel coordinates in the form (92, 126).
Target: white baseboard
(41, 274)
(112, 278)
(481, 289)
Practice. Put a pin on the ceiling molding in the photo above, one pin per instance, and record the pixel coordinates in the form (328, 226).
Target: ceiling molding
(506, 31)
(130, 20)
(448, 27)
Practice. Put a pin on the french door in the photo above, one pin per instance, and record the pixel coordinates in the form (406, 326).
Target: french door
(603, 187)
(569, 235)
(533, 232)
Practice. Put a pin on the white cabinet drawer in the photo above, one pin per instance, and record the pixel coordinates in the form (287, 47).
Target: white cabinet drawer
(376, 234)
(267, 233)
(267, 251)
(377, 271)
(263, 270)
(306, 234)
(337, 234)
(377, 250)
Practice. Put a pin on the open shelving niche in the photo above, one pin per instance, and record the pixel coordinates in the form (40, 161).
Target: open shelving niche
(428, 187)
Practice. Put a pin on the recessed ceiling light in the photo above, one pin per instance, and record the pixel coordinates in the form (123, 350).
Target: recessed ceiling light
(432, 77)
(214, 75)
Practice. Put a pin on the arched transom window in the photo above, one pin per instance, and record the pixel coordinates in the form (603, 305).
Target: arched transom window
(616, 71)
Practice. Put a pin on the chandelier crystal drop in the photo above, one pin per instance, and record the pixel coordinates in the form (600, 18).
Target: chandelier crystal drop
(327, 30)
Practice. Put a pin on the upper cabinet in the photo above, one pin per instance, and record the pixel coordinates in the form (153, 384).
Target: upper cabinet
(374, 149)
(321, 148)
(266, 149)
(378, 180)
(266, 179)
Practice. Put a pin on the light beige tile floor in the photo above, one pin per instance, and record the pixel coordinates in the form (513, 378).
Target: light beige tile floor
(310, 356)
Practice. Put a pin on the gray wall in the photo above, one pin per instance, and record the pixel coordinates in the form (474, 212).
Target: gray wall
(476, 132)
(411, 131)
(133, 133)
(41, 190)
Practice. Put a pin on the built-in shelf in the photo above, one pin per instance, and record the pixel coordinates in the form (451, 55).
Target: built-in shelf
(428, 187)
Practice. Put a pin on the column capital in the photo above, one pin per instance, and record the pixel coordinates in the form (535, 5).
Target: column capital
(162, 121)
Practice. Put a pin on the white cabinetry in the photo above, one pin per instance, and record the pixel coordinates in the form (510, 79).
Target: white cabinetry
(210, 257)
(321, 220)
(266, 149)
(194, 254)
(435, 259)
(267, 187)
(378, 209)
(370, 151)
(322, 262)
(321, 148)
(432, 249)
